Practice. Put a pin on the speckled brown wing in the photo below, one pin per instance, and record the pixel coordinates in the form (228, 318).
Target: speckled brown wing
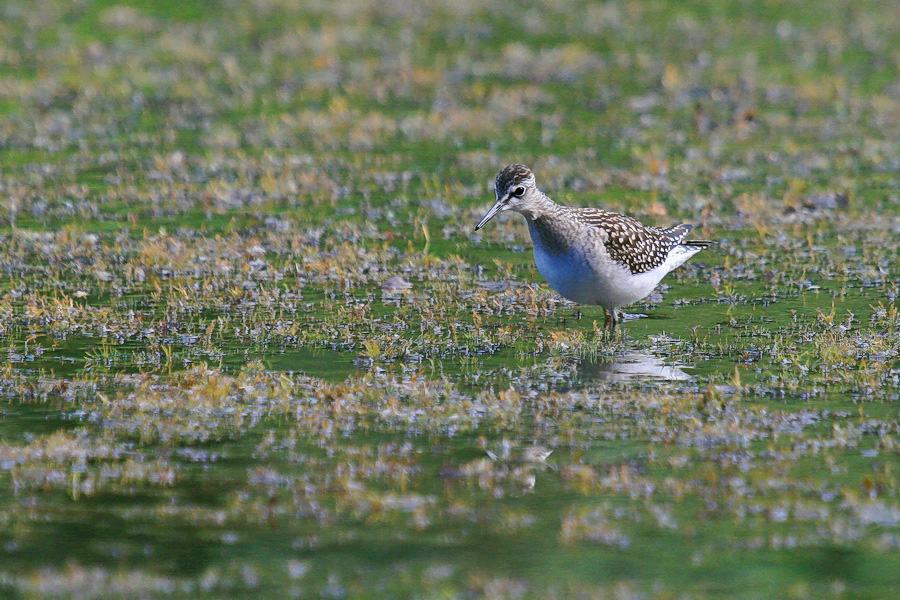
(631, 243)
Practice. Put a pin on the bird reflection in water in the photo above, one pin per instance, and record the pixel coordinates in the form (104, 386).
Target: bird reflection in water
(630, 366)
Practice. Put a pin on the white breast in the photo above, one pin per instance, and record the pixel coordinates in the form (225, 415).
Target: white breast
(589, 276)
(567, 273)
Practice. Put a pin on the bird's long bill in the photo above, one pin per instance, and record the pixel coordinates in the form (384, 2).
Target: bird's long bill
(490, 215)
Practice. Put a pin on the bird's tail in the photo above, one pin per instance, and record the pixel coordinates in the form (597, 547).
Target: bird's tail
(699, 243)
(679, 232)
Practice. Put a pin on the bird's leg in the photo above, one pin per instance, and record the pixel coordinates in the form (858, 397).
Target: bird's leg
(614, 319)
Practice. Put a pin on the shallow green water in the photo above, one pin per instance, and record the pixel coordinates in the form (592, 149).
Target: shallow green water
(214, 387)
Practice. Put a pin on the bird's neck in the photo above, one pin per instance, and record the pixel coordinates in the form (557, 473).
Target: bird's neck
(547, 229)
(542, 208)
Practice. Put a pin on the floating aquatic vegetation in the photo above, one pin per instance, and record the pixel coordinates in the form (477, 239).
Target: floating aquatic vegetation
(253, 346)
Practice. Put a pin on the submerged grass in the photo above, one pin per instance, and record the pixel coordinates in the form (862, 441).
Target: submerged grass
(254, 346)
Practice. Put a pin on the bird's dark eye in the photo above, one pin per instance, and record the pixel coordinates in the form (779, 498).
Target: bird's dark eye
(518, 191)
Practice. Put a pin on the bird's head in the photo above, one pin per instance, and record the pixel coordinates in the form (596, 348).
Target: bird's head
(515, 190)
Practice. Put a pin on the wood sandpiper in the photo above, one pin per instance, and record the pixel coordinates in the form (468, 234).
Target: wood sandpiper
(588, 255)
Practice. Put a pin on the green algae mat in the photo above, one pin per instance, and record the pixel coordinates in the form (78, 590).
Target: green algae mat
(255, 349)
